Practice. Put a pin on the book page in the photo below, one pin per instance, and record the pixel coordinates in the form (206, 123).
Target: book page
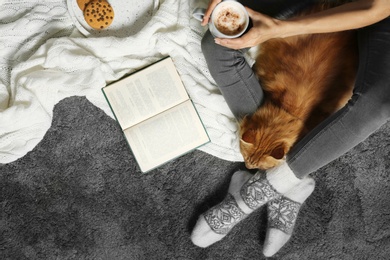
(145, 93)
(166, 136)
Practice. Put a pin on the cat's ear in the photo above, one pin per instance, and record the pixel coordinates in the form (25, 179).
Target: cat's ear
(279, 152)
(249, 136)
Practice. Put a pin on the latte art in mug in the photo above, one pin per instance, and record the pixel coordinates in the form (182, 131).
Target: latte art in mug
(230, 19)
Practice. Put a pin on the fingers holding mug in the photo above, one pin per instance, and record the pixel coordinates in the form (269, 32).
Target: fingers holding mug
(209, 10)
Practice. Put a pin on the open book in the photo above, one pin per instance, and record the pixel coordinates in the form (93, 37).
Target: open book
(156, 115)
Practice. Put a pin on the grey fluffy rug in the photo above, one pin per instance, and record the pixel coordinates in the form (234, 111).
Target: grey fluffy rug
(79, 195)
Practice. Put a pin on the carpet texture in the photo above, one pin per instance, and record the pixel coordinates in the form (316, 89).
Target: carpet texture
(80, 195)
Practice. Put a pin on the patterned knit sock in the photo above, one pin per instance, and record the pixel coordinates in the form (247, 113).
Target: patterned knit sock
(282, 215)
(246, 193)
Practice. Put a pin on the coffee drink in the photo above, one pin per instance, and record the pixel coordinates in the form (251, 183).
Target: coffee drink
(230, 20)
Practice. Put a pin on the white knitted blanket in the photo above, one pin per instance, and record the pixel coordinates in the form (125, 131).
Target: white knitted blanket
(44, 59)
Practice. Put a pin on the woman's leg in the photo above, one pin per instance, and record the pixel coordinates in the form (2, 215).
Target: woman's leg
(234, 77)
(367, 110)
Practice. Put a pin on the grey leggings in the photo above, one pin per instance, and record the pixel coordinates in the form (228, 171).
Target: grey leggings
(366, 111)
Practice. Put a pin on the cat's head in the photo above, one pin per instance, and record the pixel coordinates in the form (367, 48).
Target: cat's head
(267, 136)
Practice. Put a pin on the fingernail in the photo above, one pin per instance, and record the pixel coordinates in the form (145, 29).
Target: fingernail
(217, 41)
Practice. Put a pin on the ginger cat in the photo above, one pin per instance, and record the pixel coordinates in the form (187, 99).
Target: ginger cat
(305, 79)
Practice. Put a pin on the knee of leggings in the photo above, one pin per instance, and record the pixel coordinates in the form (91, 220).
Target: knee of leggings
(378, 99)
(374, 107)
(384, 107)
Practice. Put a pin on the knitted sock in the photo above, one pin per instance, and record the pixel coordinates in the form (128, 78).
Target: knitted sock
(246, 193)
(282, 215)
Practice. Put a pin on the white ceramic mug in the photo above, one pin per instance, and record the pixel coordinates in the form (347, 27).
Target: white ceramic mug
(229, 19)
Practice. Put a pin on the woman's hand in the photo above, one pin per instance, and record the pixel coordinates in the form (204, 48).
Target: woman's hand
(264, 28)
(209, 10)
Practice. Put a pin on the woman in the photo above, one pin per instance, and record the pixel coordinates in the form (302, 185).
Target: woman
(367, 110)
